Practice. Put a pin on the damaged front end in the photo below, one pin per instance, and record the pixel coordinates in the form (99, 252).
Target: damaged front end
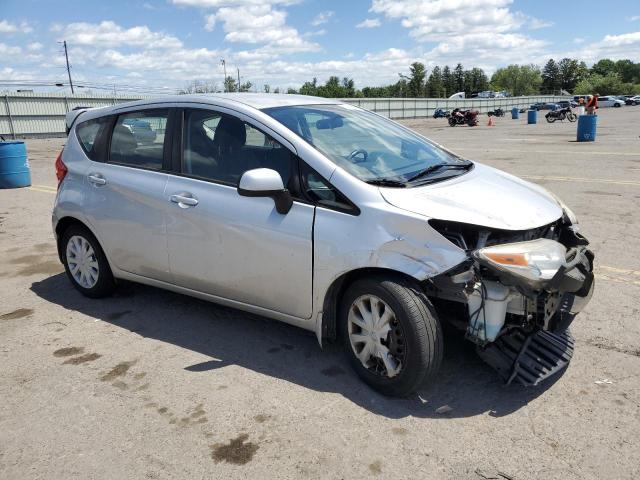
(517, 294)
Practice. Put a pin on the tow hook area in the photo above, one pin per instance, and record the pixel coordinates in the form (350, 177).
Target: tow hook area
(529, 358)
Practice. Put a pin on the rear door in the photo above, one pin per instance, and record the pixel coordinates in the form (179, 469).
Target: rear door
(235, 247)
(127, 203)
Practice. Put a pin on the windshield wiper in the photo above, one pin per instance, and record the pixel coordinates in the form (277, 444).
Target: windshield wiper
(386, 182)
(440, 166)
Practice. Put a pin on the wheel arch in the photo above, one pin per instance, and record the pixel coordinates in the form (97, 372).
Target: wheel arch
(63, 224)
(333, 295)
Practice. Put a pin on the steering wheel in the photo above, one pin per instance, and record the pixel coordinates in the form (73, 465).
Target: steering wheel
(355, 153)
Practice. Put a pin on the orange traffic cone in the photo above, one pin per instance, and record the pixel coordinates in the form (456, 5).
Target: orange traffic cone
(490, 123)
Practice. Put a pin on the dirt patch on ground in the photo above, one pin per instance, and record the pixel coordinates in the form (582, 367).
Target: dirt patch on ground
(20, 313)
(87, 357)
(238, 451)
(68, 351)
(118, 371)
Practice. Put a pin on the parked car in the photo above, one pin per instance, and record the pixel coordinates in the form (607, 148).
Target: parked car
(610, 101)
(544, 106)
(141, 130)
(328, 217)
(567, 104)
(635, 99)
(628, 99)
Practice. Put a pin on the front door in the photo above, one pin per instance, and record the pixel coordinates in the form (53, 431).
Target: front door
(235, 247)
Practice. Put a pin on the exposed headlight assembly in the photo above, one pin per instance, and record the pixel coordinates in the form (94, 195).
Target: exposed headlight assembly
(535, 261)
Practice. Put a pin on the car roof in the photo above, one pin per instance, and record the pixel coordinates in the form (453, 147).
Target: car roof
(254, 100)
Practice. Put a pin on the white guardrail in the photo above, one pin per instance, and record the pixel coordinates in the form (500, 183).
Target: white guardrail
(25, 115)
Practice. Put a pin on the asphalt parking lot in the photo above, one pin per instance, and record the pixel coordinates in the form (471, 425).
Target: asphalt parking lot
(151, 384)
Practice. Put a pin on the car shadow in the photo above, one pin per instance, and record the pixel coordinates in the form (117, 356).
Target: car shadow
(464, 384)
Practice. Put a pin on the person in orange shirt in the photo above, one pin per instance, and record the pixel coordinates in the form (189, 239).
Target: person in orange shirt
(592, 104)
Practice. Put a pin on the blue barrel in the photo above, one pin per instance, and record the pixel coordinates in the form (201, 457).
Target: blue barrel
(532, 117)
(515, 113)
(14, 165)
(587, 128)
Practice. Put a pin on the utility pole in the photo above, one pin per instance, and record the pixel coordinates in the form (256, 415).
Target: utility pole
(66, 56)
(238, 78)
(224, 66)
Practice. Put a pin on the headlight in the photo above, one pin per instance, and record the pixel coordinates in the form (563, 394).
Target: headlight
(535, 260)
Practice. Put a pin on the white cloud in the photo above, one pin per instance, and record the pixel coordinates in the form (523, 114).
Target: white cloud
(322, 17)
(635, 18)
(369, 23)
(579, 40)
(9, 50)
(108, 34)
(537, 23)
(231, 3)
(7, 27)
(34, 46)
(256, 23)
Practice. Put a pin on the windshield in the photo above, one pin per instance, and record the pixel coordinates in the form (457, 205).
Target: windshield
(370, 147)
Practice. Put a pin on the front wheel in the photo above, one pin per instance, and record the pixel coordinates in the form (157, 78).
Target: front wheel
(572, 117)
(390, 333)
(550, 118)
(452, 122)
(617, 105)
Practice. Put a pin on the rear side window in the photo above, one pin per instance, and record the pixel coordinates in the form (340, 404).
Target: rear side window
(89, 135)
(138, 139)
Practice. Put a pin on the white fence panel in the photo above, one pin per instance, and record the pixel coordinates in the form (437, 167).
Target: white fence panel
(42, 114)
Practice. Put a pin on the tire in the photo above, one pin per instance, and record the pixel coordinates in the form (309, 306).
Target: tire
(616, 105)
(97, 281)
(452, 122)
(414, 338)
(572, 117)
(550, 118)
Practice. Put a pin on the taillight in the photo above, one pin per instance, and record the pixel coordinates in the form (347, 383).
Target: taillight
(61, 169)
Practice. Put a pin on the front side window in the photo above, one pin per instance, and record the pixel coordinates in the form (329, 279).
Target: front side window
(368, 146)
(221, 148)
(138, 139)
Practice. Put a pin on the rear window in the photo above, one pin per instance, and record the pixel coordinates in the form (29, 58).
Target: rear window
(138, 139)
(89, 135)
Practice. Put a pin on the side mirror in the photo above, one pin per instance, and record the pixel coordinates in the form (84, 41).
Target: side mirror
(265, 182)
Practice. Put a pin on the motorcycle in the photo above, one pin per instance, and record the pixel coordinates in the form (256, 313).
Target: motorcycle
(498, 112)
(462, 117)
(561, 114)
(441, 113)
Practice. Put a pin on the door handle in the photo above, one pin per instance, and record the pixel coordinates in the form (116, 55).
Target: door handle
(96, 179)
(184, 200)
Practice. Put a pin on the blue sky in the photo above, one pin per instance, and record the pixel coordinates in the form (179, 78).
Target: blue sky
(164, 44)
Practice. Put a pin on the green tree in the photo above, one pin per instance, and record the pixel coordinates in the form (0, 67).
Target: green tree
(602, 84)
(245, 87)
(348, 87)
(604, 67)
(570, 73)
(416, 84)
(266, 87)
(458, 78)
(628, 71)
(518, 80)
(309, 88)
(434, 84)
(230, 84)
(551, 77)
(448, 82)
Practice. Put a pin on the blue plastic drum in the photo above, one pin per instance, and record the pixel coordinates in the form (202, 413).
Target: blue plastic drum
(14, 165)
(532, 117)
(587, 128)
(515, 113)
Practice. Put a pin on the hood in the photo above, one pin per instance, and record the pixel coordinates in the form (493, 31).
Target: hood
(484, 196)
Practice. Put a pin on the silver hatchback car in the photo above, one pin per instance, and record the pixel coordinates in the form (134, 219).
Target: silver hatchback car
(328, 217)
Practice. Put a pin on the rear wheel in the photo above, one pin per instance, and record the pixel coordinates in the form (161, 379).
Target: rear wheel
(550, 118)
(390, 334)
(85, 263)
